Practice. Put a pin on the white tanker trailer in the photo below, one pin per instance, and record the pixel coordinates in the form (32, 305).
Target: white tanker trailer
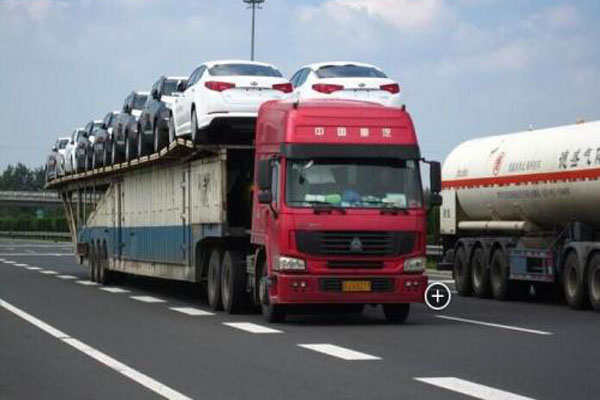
(524, 208)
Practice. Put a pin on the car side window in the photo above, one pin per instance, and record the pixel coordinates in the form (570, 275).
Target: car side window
(200, 72)
(193, 78)
(296, 78)
(303, 76)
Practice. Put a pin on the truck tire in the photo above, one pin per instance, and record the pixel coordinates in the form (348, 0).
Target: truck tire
(480, 274)
(233, 282)
(103, 272)
(462, 273)
(594, 282)
(271, 312)
(214, 280)
(396, 313)
(574, 284)
(92, 262)
(499, 275)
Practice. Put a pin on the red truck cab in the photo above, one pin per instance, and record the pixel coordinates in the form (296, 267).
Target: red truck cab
(338, 211)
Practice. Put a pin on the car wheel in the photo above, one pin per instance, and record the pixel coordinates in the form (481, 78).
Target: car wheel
(105, 155)
(156, 135)
(574, 284)
(128, 149)
(140, 143)
(396, 313)
(171, 130)
(114, 156)
(214, 280)
(271, 312)
(93, 163)
(233, 283)
(194, 126)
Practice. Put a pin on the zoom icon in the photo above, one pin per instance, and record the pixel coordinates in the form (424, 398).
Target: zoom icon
(437, 296)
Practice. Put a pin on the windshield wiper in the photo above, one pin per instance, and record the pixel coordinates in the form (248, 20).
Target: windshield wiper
(323, 206)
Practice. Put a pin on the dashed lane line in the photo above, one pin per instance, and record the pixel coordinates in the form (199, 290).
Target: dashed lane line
(21, 265)
(112, 363)
(147, 299)
(33, 268)
(339, 352)
(66, 277)
(114, 290)
(191, 311)
(252, 328)
(472, 389)
(10, 262)
(494, 325)
(48, 272)
(87, 283)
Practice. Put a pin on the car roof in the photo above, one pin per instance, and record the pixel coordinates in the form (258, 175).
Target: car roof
(144, 93)
(318, 65)
(211, 64)
(64, 138)
(175, 78)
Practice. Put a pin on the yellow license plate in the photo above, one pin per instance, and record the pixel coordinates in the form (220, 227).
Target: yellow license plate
(356, 286)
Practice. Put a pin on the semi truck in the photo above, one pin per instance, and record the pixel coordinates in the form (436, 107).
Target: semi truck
(521, 210)
(325, 207)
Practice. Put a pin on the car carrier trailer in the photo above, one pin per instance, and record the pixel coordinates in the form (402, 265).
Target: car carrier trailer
(326, 207)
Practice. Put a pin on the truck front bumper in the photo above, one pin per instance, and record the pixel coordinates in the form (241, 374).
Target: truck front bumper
(311, 289)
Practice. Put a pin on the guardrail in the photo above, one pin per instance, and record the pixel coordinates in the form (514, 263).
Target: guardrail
(63, 236)
(435, 250)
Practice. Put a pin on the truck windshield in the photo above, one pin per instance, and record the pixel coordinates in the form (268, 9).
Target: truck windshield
(353, 183)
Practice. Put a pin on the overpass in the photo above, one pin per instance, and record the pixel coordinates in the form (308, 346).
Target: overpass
(29, 199)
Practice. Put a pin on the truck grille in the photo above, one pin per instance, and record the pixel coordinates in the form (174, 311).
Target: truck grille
(355, 264)
(356, 243)
(377, 284)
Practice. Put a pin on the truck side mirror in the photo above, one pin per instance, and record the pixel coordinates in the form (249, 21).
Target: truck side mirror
(435, 200)
(265, 197)
(435, 177)
(264, 175)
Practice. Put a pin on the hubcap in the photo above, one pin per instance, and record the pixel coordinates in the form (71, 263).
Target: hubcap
(595, 287)
(572, 280)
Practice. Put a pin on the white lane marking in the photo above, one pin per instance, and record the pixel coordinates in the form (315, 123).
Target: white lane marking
(441, 280)
(21, 265)
(2, 260)
(9, 262)
(147, 299)
(66, 277)
(191, 311)
(114, 290)
(493, 325)
(29, 251)
(339, 352)
(33, 268)
(252, 328)
(36, 254)
(87, 283)
(472, 389)
(136, 376)
(48, 272)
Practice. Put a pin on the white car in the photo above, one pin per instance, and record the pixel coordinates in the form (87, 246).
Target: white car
(227, 93)
(346, 80)
(75, 152)
(61, 149)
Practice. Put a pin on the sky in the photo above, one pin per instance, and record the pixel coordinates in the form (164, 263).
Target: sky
(466, 68)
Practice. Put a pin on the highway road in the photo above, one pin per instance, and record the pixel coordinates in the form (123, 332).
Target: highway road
(62, 337)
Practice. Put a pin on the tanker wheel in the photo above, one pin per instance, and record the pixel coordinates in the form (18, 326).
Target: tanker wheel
(233, 282)
(462, 273)
(396, 313)
(271, 312)
(499, 275)
(480, 274)
(103, 272)
(214, 280)
(574, 284)
(594, 282)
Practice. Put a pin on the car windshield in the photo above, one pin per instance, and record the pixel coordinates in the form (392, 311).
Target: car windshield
(170, 86)
(353, 183)
(139, 101)
(243, 69)
(62, 143)
(349, 71)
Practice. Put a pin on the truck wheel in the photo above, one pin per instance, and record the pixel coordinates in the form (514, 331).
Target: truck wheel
(233, 283)
(462, 273)
(271, 312)
(499, 275)
(103, 272)
(594, 282)
(92, 263)
(480, 274)
(574, 284)
(396, 313)
(214, 280)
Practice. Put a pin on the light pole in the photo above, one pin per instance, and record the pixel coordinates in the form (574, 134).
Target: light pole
(253, 4)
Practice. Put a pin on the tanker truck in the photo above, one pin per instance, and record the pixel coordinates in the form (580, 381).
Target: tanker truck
(522, 209)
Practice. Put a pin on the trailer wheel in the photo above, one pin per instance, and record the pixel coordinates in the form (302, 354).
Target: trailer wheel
(462, 273)
(594, 282)
(480, 274)
(396, 313)
(103, 272)
(499, 275)
(92, 262)
(214, 280)
(271, 312)
(574, 284)
(233, 283)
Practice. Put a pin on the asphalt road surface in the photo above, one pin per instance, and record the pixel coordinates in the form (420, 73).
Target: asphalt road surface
(64, 338)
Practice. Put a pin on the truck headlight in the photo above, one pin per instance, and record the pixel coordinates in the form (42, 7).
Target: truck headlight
(290, 264)
(416, 264)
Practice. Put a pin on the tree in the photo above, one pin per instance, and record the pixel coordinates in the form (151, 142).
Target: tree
(21, 178)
